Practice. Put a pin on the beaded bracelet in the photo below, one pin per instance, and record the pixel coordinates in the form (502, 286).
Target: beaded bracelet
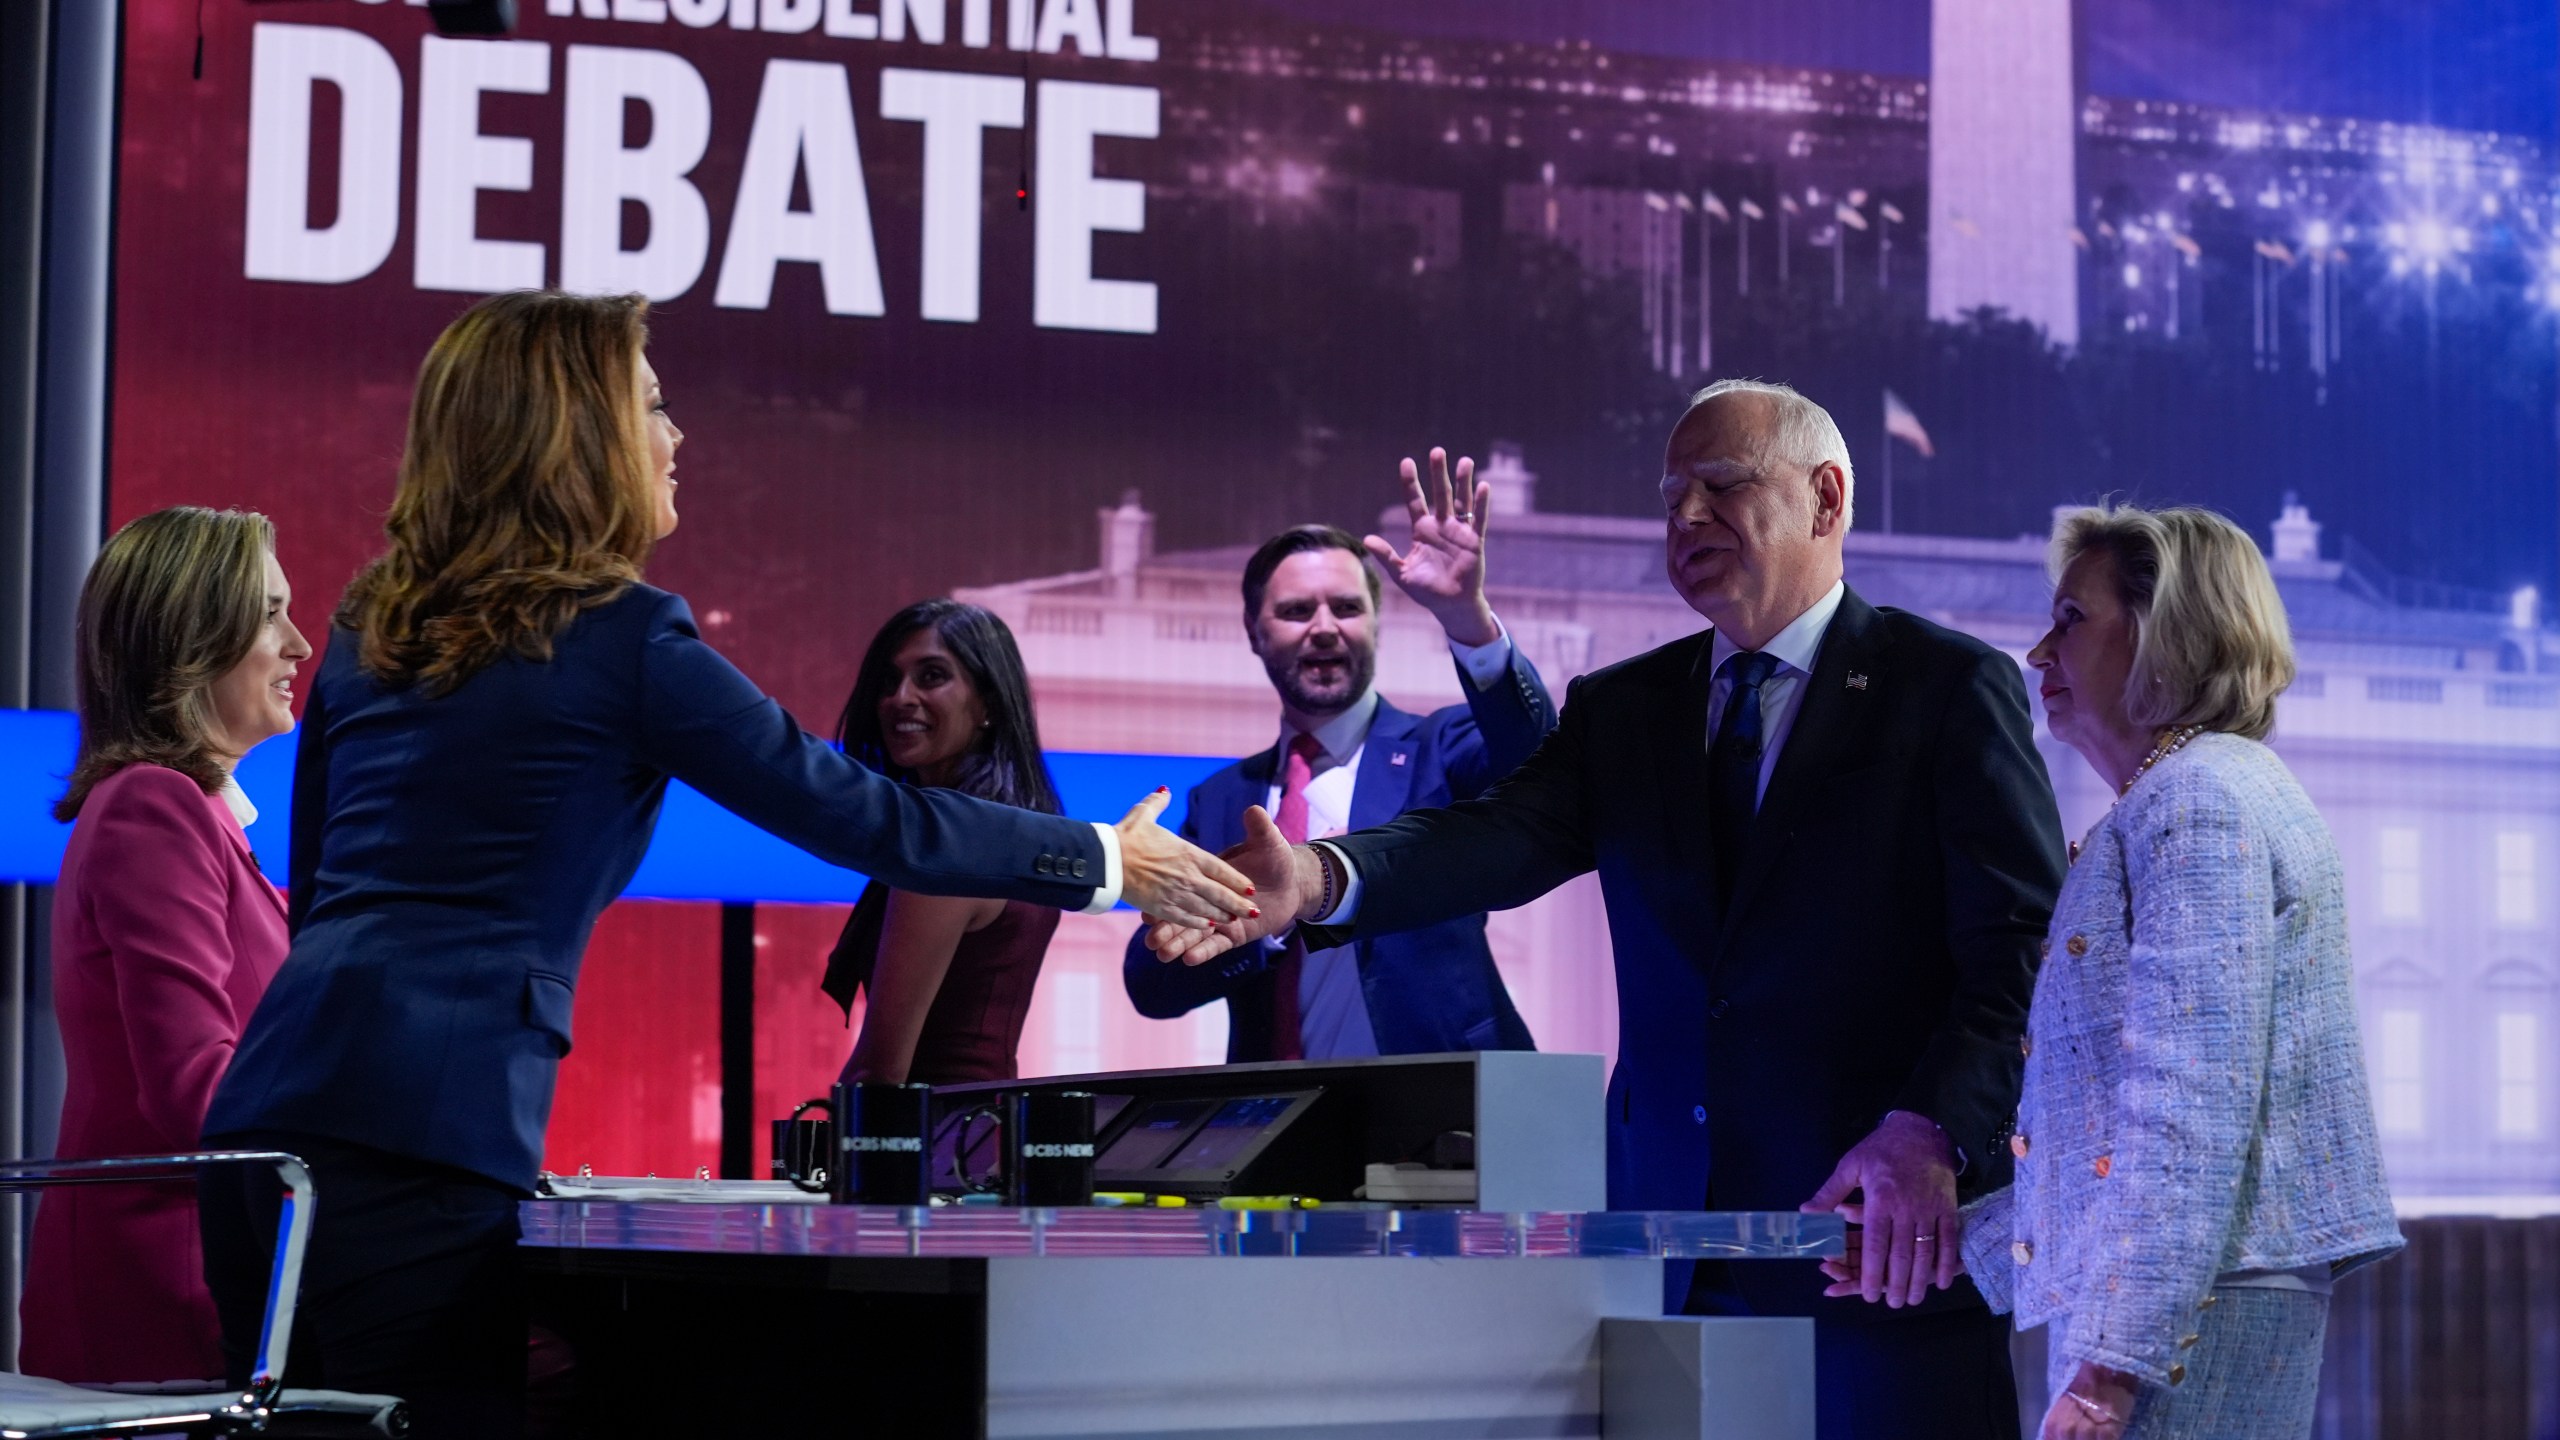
(1325, 862)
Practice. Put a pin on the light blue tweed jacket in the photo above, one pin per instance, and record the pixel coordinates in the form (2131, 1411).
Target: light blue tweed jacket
(2195, 1098)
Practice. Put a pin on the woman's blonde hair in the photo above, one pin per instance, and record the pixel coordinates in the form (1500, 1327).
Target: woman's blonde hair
(525, 495)
(2212, 646)
(173, 601)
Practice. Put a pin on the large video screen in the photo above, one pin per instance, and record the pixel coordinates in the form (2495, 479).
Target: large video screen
(1062, 305)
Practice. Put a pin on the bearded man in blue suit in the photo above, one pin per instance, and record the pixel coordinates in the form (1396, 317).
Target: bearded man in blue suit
(1348, 760)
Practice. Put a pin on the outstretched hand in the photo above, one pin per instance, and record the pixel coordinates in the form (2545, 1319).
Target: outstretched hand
(1288, 879)
(1163, 874)
(1443, 569)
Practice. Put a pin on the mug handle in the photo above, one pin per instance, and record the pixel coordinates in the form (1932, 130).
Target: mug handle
(992, 1183)
(815, 1182)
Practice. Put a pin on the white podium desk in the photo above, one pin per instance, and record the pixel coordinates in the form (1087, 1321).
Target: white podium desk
(727, 1308)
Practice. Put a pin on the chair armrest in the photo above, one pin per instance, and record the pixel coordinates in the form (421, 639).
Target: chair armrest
(293, 1231)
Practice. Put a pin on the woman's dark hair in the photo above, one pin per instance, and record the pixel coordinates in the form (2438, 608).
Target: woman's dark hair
(1006, 765)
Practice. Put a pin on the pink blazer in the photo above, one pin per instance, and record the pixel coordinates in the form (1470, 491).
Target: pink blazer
(164, 937)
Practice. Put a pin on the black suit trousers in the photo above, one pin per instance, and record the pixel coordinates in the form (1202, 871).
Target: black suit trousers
(1936, 1375)
(411, 1285)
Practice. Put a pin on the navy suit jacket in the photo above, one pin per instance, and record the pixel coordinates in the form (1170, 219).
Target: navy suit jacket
(1879, 949)
(450, 855)
(1430, 990)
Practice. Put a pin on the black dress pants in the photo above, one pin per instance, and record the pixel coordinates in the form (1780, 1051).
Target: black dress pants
(1942, 1374)
(411, 1285)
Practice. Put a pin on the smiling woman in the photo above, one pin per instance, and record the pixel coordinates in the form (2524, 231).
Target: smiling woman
(941, 700)
(164, 932)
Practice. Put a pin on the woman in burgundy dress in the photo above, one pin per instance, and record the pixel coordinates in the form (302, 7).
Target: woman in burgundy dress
(941, 700)
(165, 934)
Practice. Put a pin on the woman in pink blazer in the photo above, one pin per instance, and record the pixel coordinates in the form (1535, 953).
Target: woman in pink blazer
(164, 931)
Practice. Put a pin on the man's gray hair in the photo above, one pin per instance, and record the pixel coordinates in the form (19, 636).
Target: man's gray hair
(1803, 436)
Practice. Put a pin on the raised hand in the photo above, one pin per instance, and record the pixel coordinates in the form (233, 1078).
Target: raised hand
(1287, 879)
(1443, 569)
(1165, 875)
(1905, 1176)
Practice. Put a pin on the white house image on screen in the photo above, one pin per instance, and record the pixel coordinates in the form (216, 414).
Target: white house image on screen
(2425, 724)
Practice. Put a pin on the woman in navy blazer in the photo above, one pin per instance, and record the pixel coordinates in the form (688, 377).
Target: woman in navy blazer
(484, 753)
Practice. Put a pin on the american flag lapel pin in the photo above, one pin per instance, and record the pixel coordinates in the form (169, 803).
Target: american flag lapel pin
(1857, 681)
(1396, 759)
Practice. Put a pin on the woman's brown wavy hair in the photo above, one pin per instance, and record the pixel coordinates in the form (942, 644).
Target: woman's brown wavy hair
(173, 601)
(524, 492)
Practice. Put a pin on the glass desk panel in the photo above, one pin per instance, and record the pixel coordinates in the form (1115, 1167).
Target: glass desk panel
(717, 1219)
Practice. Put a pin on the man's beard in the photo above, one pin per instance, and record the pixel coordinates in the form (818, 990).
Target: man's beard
(1360, 669)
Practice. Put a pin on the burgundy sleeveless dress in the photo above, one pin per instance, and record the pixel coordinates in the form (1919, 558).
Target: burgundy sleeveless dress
(975, 1023)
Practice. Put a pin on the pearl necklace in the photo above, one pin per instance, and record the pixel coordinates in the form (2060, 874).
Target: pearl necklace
(2170, 744)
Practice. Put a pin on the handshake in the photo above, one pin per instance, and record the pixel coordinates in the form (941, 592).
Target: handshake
(1197, 906)
(1166, 876)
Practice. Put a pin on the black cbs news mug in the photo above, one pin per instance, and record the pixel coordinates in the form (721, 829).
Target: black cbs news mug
(1048, 1148)
(885, 1150)
(805, 1150)
(875, 1137)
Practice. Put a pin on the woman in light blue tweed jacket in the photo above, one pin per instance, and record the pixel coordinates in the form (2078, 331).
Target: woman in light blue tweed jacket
(2196, 1157)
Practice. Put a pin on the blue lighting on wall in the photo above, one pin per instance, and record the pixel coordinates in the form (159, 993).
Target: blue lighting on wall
(701, 852)
(35, 756)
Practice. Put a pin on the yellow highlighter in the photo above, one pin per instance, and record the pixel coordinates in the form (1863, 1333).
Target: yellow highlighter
(1268, 1202)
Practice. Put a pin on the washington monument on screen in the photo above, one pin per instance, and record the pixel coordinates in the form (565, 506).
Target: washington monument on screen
(2004, 131)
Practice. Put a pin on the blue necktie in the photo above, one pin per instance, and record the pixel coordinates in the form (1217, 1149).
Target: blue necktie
(1733, 765)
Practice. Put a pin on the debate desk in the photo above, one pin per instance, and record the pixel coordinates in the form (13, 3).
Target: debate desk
(1520, 1309)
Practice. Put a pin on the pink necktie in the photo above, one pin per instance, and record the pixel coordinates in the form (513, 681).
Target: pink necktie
(1295, 772)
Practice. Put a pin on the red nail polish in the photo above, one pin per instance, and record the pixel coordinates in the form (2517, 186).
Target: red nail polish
(1254, 914)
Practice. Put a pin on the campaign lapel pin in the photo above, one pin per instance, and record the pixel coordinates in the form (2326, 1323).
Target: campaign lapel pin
(1857, 681)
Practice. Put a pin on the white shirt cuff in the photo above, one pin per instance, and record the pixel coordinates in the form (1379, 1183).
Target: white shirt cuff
(1107, 894)
(1348, 905)
(1485, 663)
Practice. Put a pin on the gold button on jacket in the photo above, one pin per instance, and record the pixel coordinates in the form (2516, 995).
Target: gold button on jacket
(2021, 1251)
(2018, 1146)
(2077, 945)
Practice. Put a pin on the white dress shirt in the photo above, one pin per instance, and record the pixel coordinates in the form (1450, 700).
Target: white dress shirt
(1106, 896)
(1333, 1011)
(1781, 696)
(237, 800)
